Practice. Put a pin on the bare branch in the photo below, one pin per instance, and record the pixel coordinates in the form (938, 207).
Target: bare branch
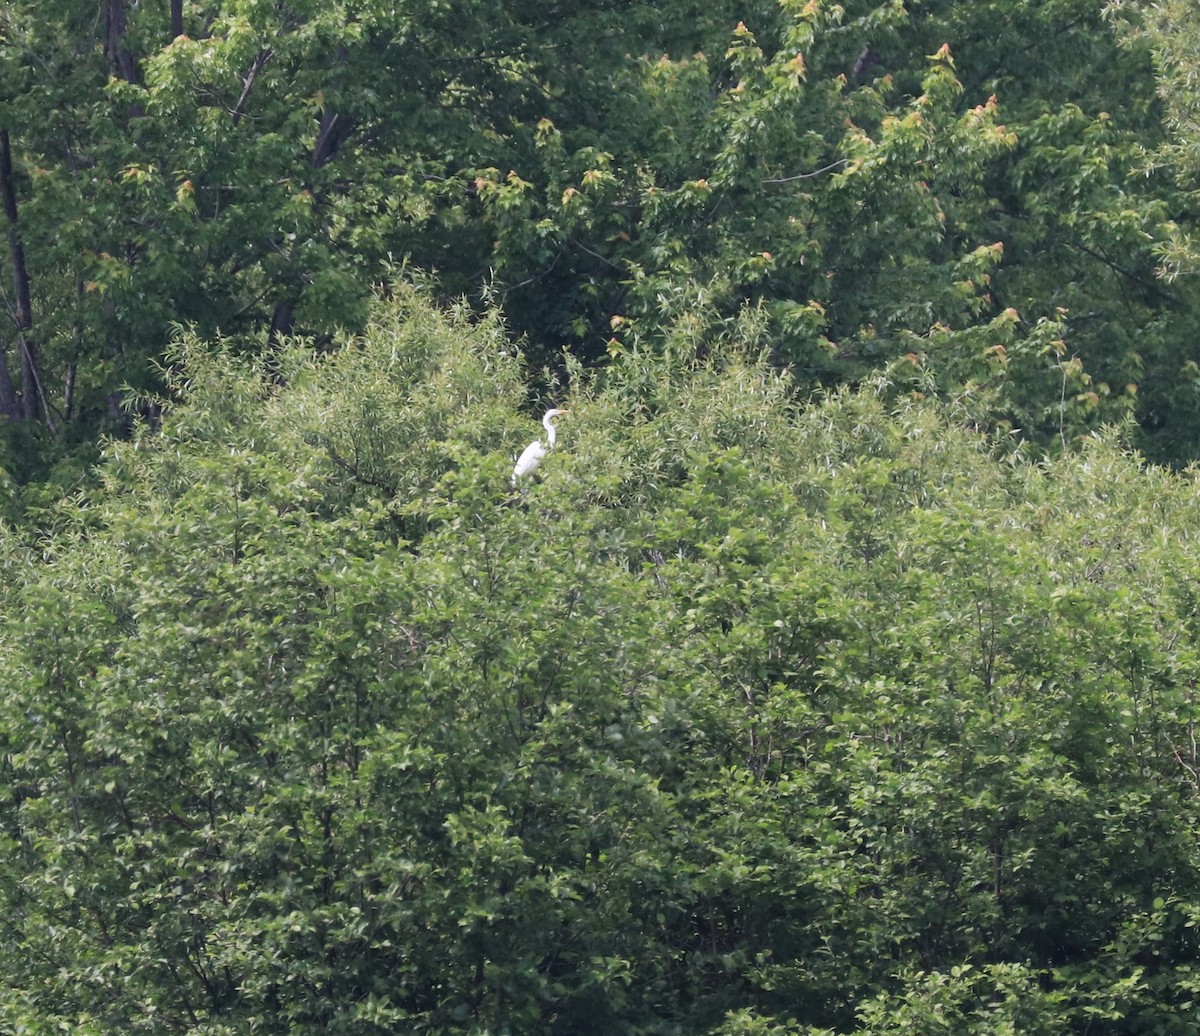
(809, 176)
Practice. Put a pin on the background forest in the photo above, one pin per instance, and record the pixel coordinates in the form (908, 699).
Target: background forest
(1003, 192)
(837, 671)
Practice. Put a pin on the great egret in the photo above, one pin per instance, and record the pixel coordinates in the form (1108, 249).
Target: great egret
(532, 455)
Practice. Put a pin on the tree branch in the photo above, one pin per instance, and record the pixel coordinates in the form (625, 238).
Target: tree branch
(335, 128)
(809, 176)
(260, 59)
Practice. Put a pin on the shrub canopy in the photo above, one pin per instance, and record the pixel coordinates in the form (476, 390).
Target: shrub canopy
(740, 716)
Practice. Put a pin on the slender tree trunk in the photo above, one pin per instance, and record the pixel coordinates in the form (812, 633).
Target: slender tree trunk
(176, 18)
(69, 392)
(34, 394)
(9, 405)
(26, 405)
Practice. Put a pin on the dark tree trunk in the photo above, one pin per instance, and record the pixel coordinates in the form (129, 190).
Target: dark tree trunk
(331, 135)
(867, 60)
(282, 321)
(69, 392)
(120, 59)
(22, 312)
(31, 396)
(24, 405)
(333, 131)
(9, 404)
(176, 18)
(30, 386)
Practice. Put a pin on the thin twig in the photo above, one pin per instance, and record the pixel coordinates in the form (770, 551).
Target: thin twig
(809, 176)
(596, 255)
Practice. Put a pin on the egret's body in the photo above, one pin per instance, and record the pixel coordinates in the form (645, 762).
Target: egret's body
(532, 455)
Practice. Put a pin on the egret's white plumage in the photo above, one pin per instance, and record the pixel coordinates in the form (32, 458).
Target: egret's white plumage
(532, 455)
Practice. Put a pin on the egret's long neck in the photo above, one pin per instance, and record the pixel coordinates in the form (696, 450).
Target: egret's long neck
(551, 434)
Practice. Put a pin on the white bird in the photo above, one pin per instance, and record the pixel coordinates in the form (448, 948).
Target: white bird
(532, 455)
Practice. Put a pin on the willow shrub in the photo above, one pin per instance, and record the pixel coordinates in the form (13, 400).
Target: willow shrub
(740, 716)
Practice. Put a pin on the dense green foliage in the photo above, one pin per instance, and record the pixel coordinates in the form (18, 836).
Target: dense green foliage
(968, 184)
(1167, 27)
(835, 674)
(742, 716)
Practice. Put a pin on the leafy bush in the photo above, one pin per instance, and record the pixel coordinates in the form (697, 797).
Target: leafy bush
(742, 715)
